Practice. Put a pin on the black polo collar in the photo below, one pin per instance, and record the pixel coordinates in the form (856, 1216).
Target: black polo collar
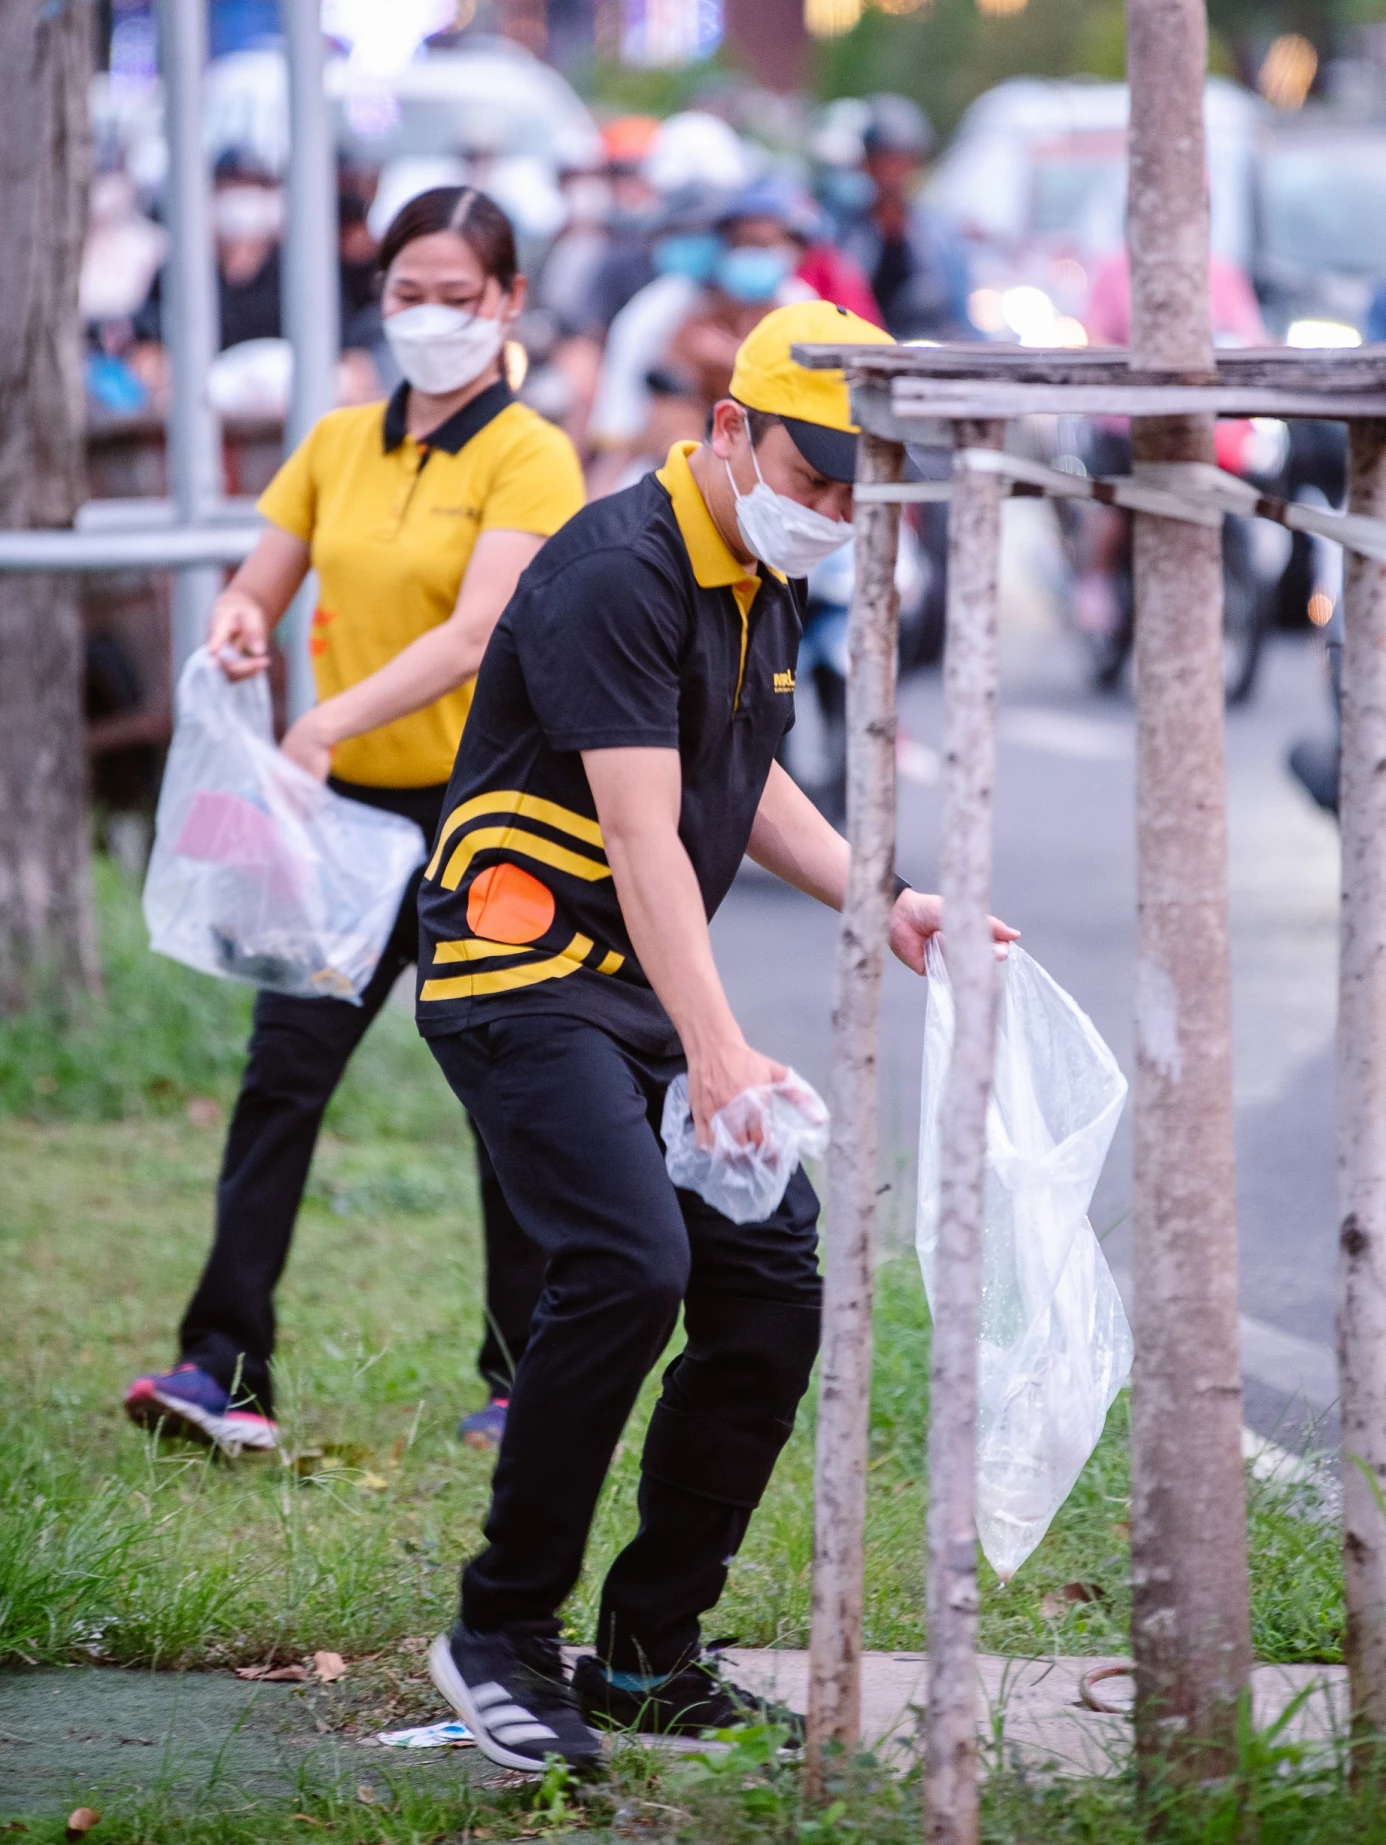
(460, 427)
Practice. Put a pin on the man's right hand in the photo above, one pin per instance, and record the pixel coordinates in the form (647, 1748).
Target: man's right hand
(238, 622)
(721, 1072)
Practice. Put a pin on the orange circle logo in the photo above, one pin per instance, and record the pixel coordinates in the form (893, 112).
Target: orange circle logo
(506, 904)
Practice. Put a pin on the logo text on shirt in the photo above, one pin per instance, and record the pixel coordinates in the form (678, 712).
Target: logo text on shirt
(784, 682)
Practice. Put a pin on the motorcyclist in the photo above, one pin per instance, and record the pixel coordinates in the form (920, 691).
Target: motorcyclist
(915, 264)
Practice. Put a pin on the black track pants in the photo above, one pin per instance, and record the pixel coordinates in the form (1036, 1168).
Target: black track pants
(299, 1049)
(571, 1119)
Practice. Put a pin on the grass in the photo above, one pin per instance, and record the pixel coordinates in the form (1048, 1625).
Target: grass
(116, 1548)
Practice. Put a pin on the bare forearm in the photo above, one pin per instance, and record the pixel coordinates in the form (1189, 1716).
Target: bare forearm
(791, 839)
(434, 664)
(273, 572)
(663, 911)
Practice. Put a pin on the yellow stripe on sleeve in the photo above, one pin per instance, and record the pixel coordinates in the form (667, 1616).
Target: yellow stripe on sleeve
(512, 801)
(525, 845)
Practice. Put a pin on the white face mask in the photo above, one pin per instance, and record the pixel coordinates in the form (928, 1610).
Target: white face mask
(248, 213)
(781, 532)
(439, 349)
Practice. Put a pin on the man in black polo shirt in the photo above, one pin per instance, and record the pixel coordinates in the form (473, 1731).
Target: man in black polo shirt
(618, 761)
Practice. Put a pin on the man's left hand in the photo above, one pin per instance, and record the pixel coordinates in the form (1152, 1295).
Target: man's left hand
(917, 916)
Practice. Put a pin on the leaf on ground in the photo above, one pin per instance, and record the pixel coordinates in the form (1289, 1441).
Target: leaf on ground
(80, 1822)
(329, 1667)
(366, 1794)
(373, 1483)
(275, 1675)
(1057, 1603)
(306, 1819)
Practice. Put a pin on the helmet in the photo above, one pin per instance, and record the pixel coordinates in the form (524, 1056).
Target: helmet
(696, 146)
(896, 125)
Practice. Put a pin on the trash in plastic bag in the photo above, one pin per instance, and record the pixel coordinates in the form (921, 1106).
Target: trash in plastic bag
(259, 872)
(1055, 1347)
(758, 1139)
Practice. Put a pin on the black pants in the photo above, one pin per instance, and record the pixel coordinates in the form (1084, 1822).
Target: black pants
(299, 1049)
(571, 1119)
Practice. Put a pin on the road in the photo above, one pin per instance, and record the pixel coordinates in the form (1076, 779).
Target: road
(1065, 875)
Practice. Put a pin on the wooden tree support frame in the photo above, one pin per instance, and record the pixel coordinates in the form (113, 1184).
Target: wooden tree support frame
(966, 395)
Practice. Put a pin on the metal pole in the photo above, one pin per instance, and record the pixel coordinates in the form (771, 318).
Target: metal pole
(844, 1388)
(190, 310)
(311, 303)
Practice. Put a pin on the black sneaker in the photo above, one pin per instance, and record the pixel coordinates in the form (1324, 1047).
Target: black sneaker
(510, 1692)
(696, 1699)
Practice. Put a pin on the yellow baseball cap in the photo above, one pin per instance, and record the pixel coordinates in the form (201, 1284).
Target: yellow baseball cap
(813, 406)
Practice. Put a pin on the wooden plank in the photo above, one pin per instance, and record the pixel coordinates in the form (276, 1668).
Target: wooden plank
(976, 399)
(1361, 368)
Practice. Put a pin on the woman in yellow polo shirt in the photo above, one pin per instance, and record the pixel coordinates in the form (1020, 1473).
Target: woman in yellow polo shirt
(418, 518)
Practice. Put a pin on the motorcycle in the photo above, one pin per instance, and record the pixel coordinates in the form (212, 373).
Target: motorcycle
(1097, 542)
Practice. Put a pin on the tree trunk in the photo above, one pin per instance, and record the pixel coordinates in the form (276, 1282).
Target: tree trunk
(1190, 1622)
(844, 1386)
(47, 936)
(1362, 1099)
(969, 668)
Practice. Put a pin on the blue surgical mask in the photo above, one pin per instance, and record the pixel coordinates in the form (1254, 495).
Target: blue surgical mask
(846, 189)
(753, 274)
(688, 253)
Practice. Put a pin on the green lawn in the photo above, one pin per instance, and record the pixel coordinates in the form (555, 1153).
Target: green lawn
(118, 1548)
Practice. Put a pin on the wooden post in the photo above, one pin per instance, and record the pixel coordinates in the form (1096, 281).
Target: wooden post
(969, 669)
(1362, 1098)
(844, 1386)
(1190, 1620)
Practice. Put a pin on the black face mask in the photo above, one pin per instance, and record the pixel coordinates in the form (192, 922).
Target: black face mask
(358, 285)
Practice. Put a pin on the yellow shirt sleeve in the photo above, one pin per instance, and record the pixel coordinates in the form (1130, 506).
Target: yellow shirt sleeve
(537, 483)
(291, 499)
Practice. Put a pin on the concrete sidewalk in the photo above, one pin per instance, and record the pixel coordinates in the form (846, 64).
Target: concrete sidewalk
(1035, 1704)
(71, 1736)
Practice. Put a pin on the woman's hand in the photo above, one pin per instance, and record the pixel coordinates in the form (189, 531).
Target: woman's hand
(238, 622)
(306, 744)
(916, 917)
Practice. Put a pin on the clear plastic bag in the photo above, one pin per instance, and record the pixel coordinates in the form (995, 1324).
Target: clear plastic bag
(758, 1139)
(1055, 1345)
(259, 872)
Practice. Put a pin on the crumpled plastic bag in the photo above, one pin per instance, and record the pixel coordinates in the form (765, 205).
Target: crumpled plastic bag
(259, 872)
(1055, 1344)
(759, 1137)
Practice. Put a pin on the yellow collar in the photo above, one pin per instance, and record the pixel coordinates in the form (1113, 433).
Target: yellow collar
(713, 563)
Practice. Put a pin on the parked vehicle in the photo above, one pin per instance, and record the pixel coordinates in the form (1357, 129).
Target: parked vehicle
(1035, 182)
(1320, 227)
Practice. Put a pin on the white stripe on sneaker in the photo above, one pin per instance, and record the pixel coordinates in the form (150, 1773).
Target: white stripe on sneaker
(474, 1705)
(525, 1732)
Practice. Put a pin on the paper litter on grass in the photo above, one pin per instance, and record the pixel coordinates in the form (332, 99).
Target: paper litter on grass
(449, 1735)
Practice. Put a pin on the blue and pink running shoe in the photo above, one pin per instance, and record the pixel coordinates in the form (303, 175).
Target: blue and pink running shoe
(186, 1401)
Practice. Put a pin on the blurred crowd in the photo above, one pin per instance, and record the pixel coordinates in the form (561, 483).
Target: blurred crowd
(665, 244)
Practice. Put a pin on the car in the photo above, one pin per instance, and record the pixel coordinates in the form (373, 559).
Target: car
(1034, 180)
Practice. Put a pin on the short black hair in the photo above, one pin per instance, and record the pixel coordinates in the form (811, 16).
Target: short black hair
(474, 216)
(759, 423)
